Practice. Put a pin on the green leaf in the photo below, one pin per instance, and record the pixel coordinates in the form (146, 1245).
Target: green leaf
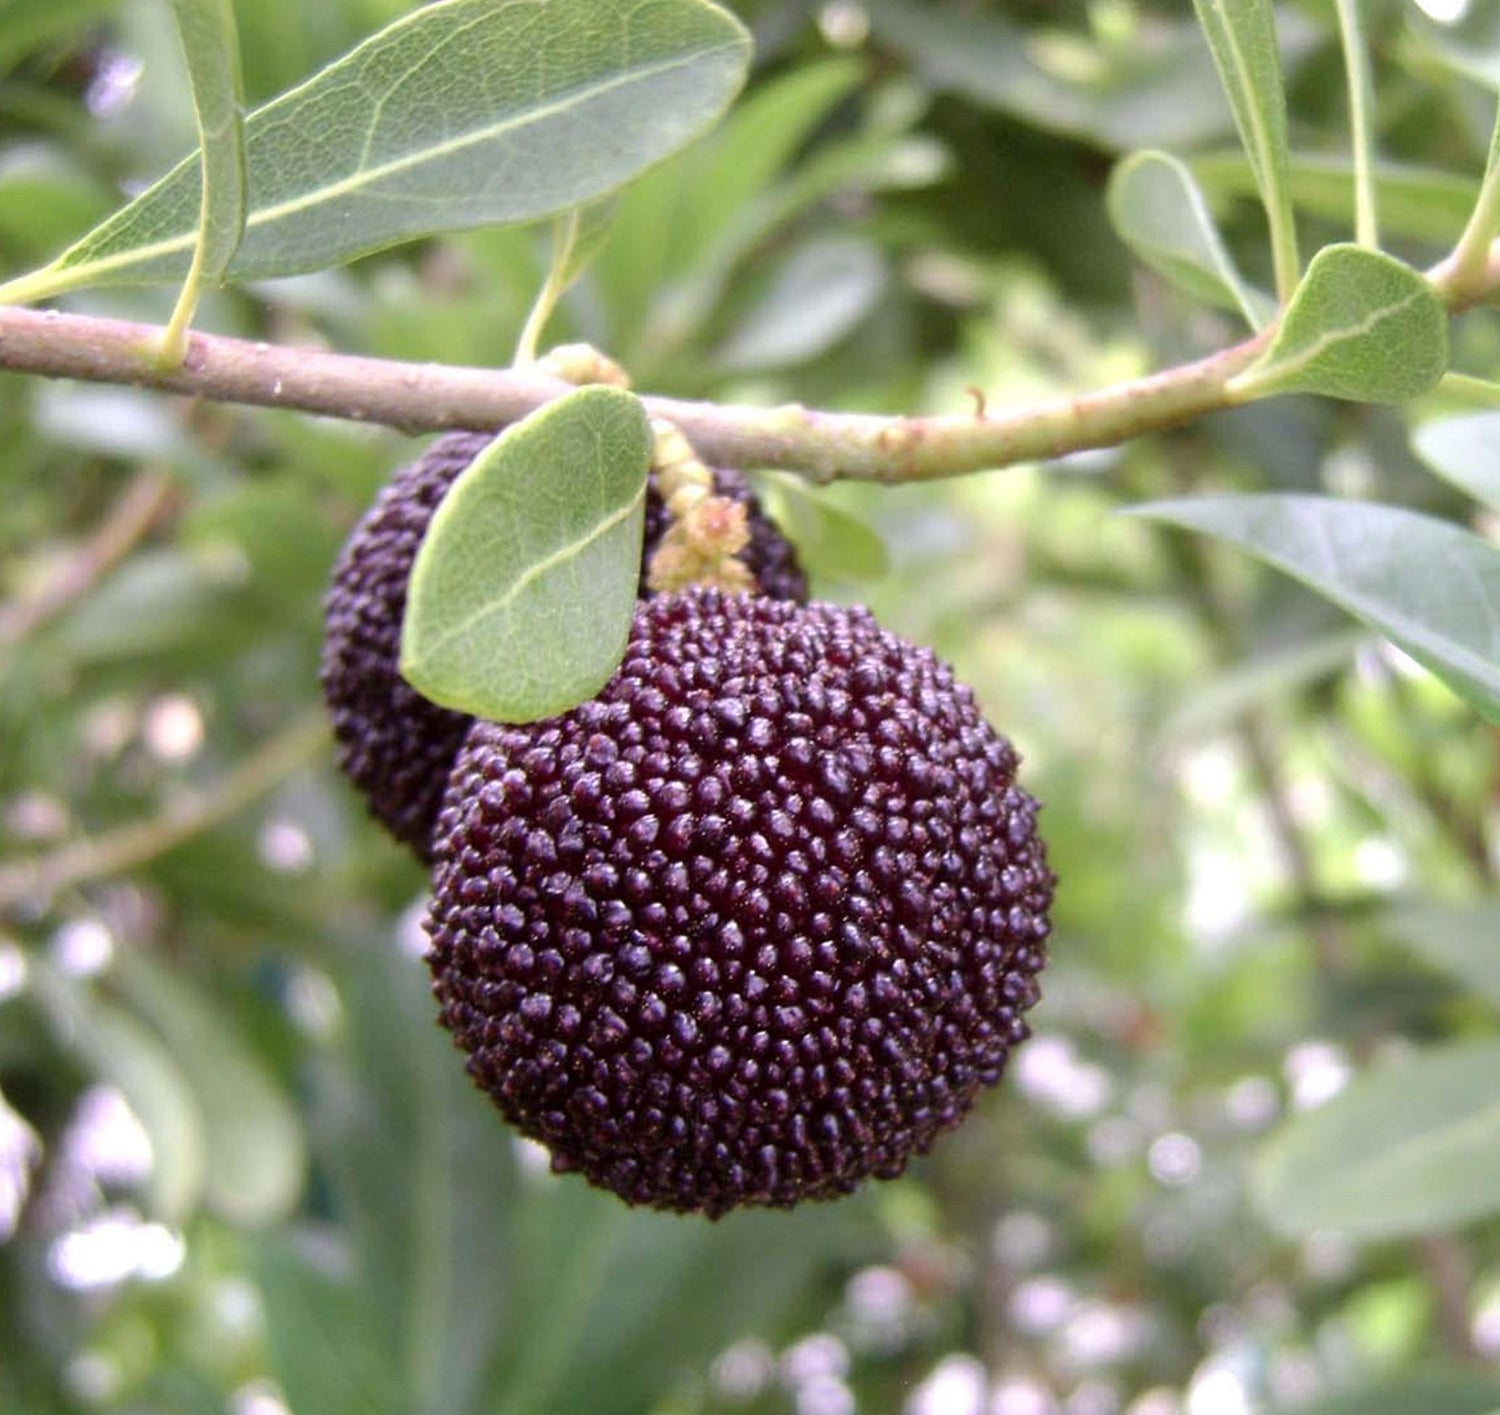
(1159, 90)
(1431, 587)
(1411, 1147)
(361, 157)
(1461, 940)
(1361, 326)
(323, 1352)
(423, 1176)
(817, 297)
(523, 591)
(1241, 35)
(253, 1149)
(211, 46)
(1436, 1392)
(26, 25)
(1247, 687)
(1419, 202)
(829, 540)
(667, 224)
(1466, 452)
(131, 1057)
(1157, 210)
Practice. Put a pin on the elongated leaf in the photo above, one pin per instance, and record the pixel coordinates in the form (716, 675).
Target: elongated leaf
(132, 1058)
(818, 296)
(1252, 685)
(254, 1153)
(1419, 202)
(325, 1354)
(829, 540)
(1464, 942)
(462, 113)
(1158, 211)
(1241, 36)
(1438, 1392)
(1361, 326)
(1431, 587)
(1465, 451)
(211, 44)
(522, 594)
(423, 1176)
(1160, 91)
(1411, 1147)
(668, 222)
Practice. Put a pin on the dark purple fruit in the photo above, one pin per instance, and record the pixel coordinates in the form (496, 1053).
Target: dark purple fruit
(752, 926)
(394, 745)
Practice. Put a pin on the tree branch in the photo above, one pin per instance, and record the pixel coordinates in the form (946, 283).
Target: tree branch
(145, 502)
(429, 397)
(821, 445)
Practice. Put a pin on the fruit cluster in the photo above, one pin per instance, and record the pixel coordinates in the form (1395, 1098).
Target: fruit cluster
(753, 925)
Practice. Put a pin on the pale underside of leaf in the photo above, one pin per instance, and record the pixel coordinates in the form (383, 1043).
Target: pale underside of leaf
(1465, 451)
(522, 593)
(1157, 208)
(1430, 586)
(1411, 1147)
(463, 113)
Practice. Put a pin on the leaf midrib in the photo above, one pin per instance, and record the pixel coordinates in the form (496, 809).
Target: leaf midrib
(365, 177)
(1445, 1139)
(534, 572)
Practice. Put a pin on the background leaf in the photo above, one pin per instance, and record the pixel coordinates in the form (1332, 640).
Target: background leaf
(1241, 36)
(1162, 89)
(1416, 202)
(254, 1156)
(1465, 451)
(522, 594)
(1158, 211)
(1431, 587)
(1361, 326)
(1461, 940)
(211, 45)
(1411, 1147)
(1437, 1393)
(516, 137)
(817, 296)
(830, 540)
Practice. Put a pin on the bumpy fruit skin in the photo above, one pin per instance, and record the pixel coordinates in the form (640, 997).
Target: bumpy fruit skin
(394, 745)
(755, 924)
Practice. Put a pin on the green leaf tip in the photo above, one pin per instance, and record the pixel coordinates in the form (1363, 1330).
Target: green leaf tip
(1361, 326)
(522, 594)
(1429, 586)
(1158, 210)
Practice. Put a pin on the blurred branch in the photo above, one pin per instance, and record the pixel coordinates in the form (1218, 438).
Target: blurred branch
(32, 883)
(1450, 1276)
(146, 501)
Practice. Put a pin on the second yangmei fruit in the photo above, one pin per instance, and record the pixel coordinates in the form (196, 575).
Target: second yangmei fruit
(394, 745)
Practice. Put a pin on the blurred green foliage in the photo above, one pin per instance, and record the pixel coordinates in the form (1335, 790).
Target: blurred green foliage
(238, 1163)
